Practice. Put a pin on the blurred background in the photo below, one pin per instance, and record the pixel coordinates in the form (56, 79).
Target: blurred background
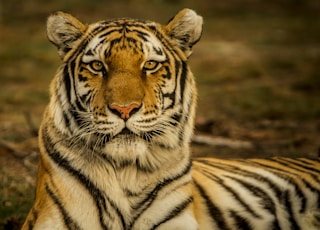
(256, 66)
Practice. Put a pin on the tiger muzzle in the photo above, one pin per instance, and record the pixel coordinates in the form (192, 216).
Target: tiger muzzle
(125, 111)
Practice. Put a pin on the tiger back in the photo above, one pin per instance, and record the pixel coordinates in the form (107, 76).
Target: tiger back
(115, 141)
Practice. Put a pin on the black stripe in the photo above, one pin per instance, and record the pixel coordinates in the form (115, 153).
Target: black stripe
(144, 204)
(167, 75)
(182, 73)
(173, 213)
(95, 193)
(67, 86)
(76, 116)
(310, 160)
(67, 82)
(119, 30)
(79, 105)
(66, 120)
(293, 164)
(143, 36)
(172, 97)
(98, 196)
(240, 171)
(152, 195)
(183, 79)
(89, 53)
(288, 205)
(30, 225)
(215, 213)
(230, 190)
(241, 222)
(300, 165)
(32, 221)
(291, 178)
(67, 75)
(80, 48)
(176, 117)
(158, 51)
(314, 190)
(266, 201)
(68, 221)
(81, 77)
(86, 97)
(131, 40)
(115, 41)
(186, 118)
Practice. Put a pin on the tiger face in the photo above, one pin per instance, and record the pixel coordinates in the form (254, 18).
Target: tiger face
(124, 86)
(128, 82)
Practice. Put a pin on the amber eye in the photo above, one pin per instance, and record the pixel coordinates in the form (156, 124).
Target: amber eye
(150, 65)
(96, 65)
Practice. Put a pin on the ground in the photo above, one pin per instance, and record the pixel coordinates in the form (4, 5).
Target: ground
(256, 66)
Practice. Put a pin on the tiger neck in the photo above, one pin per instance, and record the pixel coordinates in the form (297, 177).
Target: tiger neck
(88, 178)
(132, 176)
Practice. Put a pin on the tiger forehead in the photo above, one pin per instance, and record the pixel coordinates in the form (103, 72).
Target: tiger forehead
(134, 36)
(128, 22)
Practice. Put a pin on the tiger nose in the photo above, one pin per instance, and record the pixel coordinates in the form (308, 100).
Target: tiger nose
(125, 111)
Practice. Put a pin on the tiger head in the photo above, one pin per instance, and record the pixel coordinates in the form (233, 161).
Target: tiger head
(124, 85)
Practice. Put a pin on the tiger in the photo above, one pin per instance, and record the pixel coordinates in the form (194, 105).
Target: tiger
(115, 141)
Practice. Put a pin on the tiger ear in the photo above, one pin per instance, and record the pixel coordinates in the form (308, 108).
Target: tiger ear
(63, 30)
(185, 29)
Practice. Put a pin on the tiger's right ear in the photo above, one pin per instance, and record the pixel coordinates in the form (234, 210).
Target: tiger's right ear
(63, 30)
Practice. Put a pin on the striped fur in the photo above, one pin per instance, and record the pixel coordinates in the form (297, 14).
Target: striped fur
(115, 140)
(277, 193)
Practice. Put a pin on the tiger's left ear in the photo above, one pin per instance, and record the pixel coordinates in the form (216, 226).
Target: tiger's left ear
(185, 29)
(64, 30)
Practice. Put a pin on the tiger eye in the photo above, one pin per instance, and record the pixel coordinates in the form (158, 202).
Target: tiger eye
(96, 65)
(150, 65)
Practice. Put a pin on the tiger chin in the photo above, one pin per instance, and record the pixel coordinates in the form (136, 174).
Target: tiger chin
(115, 141)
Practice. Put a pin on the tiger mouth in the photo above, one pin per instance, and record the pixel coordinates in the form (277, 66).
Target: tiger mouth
(126, 131)
(128, 134)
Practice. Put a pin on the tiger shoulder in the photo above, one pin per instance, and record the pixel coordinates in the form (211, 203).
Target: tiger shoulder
(115, 141)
